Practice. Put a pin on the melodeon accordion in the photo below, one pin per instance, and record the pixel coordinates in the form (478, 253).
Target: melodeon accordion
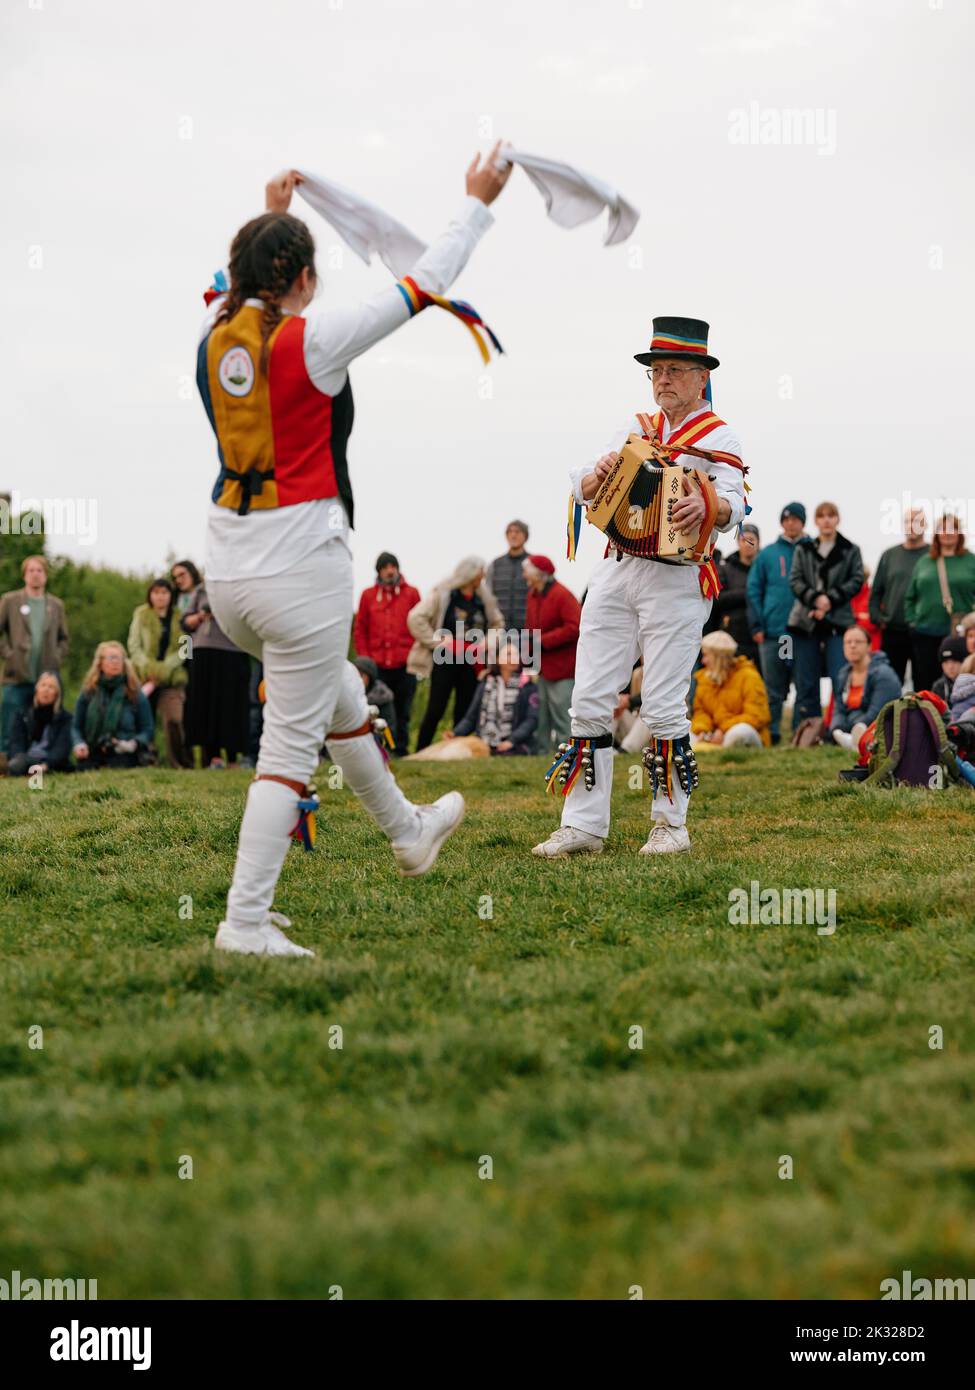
(635, 502)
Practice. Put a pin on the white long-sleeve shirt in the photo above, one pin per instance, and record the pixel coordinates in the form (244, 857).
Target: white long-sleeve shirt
(267, 541)
(729, 482)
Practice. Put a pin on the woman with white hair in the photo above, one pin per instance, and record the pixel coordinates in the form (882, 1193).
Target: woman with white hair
(730, 702)
(450, 626)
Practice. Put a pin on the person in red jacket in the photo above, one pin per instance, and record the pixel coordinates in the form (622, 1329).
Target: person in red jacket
(553, 612)
(382, 635)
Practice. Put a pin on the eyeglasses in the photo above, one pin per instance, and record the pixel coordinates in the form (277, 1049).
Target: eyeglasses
(678, 372)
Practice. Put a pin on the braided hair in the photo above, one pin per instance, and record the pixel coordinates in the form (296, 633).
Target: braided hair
(266, 257)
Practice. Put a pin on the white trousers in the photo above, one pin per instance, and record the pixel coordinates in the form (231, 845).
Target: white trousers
(634, 606)
(297, 623)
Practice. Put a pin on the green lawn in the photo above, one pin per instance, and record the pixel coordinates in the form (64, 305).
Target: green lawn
(506, 1037)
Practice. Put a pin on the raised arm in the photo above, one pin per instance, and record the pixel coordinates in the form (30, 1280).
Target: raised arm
(335, 337)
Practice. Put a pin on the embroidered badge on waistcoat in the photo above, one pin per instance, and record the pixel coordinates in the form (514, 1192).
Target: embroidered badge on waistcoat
(236, 371)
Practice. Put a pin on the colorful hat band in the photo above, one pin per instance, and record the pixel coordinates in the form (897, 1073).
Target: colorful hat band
(669, 342)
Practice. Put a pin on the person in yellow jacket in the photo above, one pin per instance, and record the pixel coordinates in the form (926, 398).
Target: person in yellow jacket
(730, 703)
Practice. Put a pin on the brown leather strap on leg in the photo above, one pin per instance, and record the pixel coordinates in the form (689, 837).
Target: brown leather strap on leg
(366, 728)
(298, 787)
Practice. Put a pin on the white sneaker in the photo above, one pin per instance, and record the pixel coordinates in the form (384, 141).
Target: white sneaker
(568, 840)
(437, 823)
(844, 740)
(667, 839)
(266, 940)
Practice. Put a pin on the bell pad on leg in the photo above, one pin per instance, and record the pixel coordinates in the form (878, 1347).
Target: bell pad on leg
(663, 757)
(575, 759)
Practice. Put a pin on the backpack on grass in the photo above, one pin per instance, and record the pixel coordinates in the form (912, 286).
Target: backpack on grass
(907, 745)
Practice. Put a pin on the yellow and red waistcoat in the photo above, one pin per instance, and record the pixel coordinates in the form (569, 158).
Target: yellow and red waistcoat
(279, 438)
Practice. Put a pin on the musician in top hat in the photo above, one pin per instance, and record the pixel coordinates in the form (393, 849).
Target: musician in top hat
(642, 605)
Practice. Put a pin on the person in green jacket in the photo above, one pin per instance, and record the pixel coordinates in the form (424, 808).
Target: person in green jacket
(927, 613)
(156, 653)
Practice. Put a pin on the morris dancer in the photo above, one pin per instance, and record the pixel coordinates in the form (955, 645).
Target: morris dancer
(279, 570)
(642, 605)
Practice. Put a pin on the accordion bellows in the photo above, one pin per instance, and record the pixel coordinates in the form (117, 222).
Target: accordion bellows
(635, 502)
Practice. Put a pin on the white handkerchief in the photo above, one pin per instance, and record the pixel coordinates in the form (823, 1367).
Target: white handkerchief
(361, 225)
(573, 197)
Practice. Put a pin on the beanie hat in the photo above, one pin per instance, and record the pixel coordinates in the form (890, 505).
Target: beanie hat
(386, 558)
(794, 509)
(368, 667)
(953, 649)
(543, 563)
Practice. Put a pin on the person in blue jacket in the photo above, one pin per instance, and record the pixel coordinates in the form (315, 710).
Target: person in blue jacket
(866, 682)
(770, 599)
(40, 734)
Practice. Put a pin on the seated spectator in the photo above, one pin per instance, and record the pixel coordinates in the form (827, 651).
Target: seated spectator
(865, 683)
(951, 655)
(730, 703)
(963, 691)
(504, 710)
(113, 724)
(40, 735)
(157, 659)
(378, 692)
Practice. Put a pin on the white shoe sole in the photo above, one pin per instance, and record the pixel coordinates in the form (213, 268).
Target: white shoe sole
(437, 844)
(540, 851)
(228, 940)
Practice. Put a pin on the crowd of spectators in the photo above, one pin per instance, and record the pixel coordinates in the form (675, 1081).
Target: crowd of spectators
(176, 668)
(496, 645)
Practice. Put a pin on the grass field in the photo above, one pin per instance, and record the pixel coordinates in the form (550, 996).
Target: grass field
(465, 1036)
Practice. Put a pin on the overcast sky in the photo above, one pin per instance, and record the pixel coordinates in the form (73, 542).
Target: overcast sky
(835, 273)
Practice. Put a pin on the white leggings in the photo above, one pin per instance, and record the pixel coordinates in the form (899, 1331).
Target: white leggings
(297, 623)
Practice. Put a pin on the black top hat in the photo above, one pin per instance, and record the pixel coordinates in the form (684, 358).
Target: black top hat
(685, 339)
